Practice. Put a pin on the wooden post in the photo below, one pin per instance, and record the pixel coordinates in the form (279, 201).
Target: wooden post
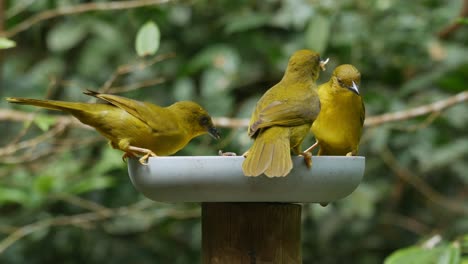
(251, 233)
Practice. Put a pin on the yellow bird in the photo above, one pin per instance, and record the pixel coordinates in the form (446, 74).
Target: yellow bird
(137, 128)
(338, 127)
(283, 116)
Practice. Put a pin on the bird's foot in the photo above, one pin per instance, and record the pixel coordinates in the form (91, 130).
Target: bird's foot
(245, 154)
(147, 153)
(312, 147)
(226, 154)
(144, 160)
(349, 154)
(307, 159)
(127, 155)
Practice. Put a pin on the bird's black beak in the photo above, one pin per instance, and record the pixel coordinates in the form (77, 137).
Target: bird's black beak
(354, 88)
(214, 133)
(323, 63)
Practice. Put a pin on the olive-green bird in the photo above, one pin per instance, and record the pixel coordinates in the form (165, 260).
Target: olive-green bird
(283, 116)
(338, 127)
(137, 128)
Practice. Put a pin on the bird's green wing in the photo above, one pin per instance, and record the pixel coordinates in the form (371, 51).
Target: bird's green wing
(290, 112)
(362, 114)
(156, 117)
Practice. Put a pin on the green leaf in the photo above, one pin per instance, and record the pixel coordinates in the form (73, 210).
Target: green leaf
(65, 36)
(6, 43)
(463, 20)
(147, 40)
(317, 33)
(452, 255)
(446, 254)
(44, 122)
(464, 243)
(45, 183)
(11, 195)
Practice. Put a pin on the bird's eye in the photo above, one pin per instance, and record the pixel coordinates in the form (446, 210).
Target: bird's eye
(340, 82)
(204, 121)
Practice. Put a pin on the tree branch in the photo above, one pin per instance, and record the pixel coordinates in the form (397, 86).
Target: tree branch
(76, 220)
(60, 146)
(32, 143)
(129, 68)
(447, 31)
(83, 203)
(417, 111)
(135, 86)
(21, 116)
(77, 9)
(406, 222)
(231, 122)
(421, 186)
(84, 219)
(18, 7)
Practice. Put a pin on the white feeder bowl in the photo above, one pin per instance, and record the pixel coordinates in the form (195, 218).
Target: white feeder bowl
(220, 179)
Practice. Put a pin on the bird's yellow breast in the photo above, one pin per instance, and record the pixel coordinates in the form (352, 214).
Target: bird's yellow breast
(338, 126)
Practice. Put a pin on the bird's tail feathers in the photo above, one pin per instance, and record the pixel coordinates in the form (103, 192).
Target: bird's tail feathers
(49, 104)
(270, 154)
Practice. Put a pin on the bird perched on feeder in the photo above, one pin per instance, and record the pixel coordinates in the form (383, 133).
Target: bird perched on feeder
(283, 116)
(137, 128)
(338, 127)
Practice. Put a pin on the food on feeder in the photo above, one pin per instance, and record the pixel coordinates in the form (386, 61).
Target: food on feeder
(283, 116)
(137, 128)
(338, 127)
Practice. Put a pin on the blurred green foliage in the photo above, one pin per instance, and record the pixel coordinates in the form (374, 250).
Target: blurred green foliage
(227, 54)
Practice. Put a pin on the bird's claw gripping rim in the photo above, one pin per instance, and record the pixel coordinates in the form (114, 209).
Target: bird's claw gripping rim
(307, 159)
(144, 160)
